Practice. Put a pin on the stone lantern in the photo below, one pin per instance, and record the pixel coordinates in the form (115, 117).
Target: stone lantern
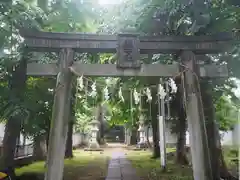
(141, 130)
(94, 132)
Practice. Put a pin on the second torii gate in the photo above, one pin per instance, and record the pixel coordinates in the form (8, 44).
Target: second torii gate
(128, 48)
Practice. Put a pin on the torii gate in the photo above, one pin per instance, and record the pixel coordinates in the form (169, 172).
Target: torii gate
(128, 48)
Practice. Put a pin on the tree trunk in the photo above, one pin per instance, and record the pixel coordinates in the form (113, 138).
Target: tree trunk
(47, 144)
(18, 145)
(181, 157)
(24, 140)
(147, 137)
(47, 139)
(133, 139)
(125, 135)
(17, 84)
(154, 121)
(128, 136)
(181, 141)
(69, 143)
(101, 124)
(181, 150)
(39, 152)
(9, 144)
(156, 148)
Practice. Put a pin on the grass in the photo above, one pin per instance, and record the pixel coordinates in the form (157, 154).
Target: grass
(93, 166)
(148, 168)
(84, 166)
(231, 157)
(230, 154)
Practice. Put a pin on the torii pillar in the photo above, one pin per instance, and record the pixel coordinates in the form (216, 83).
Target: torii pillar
(60, 118)
(196, 120)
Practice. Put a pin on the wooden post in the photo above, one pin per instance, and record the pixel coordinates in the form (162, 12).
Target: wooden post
(60, 118)
(196, 119)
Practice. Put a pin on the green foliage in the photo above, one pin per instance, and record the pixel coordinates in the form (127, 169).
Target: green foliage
(83, 117)
(226, 113)
(69, 16)
(38, 102)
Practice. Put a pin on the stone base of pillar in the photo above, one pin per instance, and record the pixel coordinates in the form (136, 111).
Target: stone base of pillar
(142, 145)
(94, 145)
(95, 149)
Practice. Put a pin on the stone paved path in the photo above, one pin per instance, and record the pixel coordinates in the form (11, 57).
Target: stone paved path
(120, 168)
